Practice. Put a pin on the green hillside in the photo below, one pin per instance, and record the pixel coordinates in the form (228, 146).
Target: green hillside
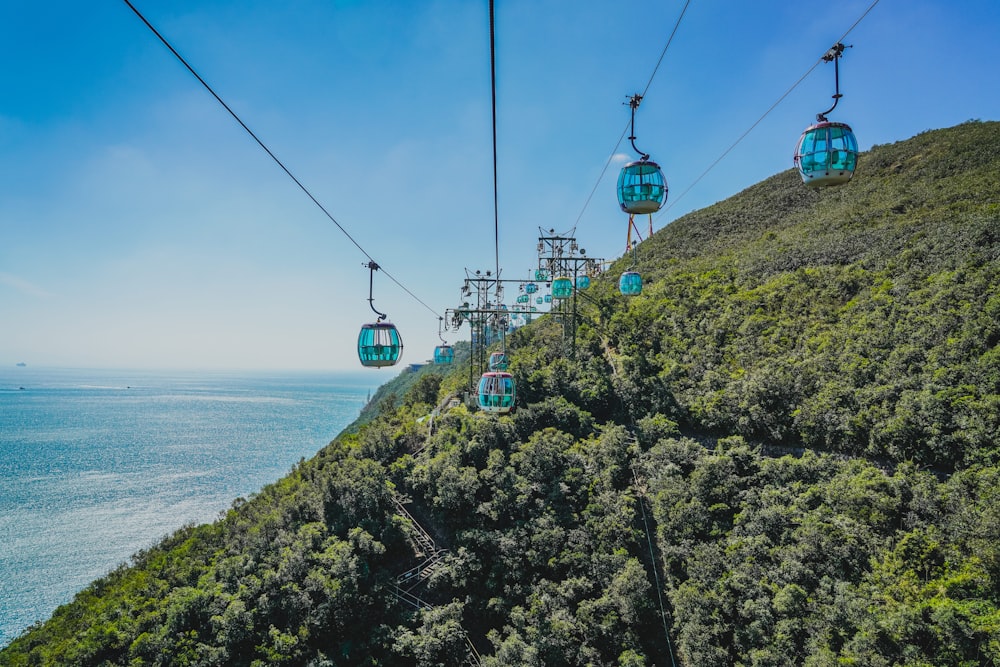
(391, 394)
(784, 452)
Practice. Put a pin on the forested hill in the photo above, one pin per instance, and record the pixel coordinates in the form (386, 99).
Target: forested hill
(784, 452)
(861, 319)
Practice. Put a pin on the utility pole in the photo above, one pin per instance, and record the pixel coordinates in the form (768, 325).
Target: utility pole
(484, 313)
(559, 256)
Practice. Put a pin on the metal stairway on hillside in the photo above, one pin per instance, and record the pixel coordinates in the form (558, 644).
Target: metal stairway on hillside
(432, 558)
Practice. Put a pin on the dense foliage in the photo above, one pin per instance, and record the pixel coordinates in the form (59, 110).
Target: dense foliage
(784, 452)
(862, 319)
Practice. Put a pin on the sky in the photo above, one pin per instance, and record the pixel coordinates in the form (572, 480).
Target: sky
(142, 227)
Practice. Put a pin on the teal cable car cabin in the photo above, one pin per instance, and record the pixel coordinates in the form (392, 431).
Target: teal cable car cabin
(826, 154)
(379, 345)
(641, 187)
(444, 354)
(496, 392)
(562, 288)
(630, 284)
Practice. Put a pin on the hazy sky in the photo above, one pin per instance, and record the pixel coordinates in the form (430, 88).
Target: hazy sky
(140, 226)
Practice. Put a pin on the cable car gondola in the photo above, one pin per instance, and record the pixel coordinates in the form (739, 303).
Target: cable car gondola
(827, 152)
(630, 283)
(496, 392)
(531, 288)
(443, 353)
(642, 189)
(582, 282)
(379, 343)
(562, 288)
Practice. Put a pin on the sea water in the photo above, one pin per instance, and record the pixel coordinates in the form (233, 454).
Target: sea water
(96, 465)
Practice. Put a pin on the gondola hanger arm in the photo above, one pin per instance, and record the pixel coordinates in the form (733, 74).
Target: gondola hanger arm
(633, 103)
(834, 54)
(373, 267)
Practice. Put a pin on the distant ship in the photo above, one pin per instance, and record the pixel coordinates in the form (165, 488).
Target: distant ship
(21, 363)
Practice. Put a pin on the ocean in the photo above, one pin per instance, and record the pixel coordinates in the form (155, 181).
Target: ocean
(96, 465)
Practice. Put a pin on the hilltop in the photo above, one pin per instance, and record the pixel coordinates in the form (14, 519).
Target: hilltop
(784, 452)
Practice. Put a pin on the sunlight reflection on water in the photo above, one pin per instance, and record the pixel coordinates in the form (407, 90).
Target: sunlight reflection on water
(95, 465)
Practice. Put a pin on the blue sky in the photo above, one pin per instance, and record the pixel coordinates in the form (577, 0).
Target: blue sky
(140, 226)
